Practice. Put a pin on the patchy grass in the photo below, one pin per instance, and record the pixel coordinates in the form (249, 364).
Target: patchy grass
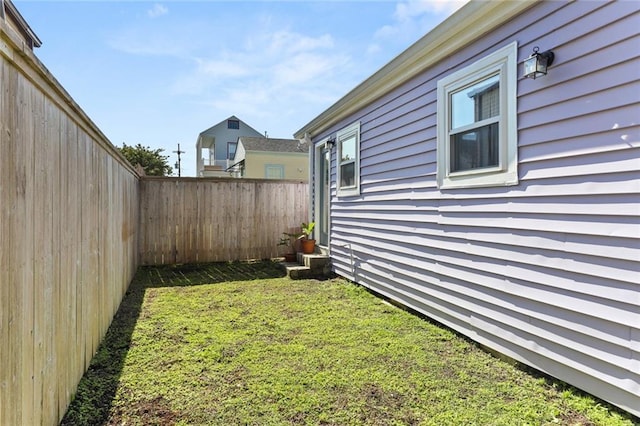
(228, 344)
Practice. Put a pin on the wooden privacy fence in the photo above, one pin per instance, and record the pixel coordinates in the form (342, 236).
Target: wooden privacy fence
(68, 243)
(206, 220)
(74, 216)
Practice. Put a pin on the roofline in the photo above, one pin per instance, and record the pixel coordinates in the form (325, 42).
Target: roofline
(233, 117)
(279, 152)
(469, 23)
(10, 8)
(269, 138)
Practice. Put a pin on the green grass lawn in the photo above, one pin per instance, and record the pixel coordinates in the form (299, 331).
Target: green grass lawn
(236, 344)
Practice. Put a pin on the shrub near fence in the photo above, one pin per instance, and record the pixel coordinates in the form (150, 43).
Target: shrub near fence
(209, 220)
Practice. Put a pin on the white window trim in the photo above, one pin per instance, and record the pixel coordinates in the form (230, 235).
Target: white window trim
(504, 62)
(346, 133)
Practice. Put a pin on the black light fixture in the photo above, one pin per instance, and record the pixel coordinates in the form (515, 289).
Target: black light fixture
(330, 143)
(536, 64)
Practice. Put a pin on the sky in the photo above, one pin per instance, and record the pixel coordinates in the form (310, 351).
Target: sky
(159, 73)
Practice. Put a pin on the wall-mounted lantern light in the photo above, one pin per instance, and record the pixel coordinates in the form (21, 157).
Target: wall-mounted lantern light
(536, 64)
(330, 143)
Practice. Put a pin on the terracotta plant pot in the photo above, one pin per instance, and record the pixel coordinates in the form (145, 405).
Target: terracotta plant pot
(308, 246)
(290, 257)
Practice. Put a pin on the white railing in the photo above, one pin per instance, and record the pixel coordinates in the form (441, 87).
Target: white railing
(220, 163)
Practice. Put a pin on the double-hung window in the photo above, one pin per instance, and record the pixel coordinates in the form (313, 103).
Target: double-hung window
(477, 129)
(348, 141)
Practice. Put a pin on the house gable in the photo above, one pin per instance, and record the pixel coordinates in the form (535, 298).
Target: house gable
(216, 140)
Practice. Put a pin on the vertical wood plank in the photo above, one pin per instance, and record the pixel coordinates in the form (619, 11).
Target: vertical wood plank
(9, 386)
(46, 244)
(42, 332)
(24, 247)
(5, 243)
(59, 297)
(73, 254)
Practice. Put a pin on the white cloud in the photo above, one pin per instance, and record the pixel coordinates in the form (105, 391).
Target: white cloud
(289, 42)
(133, 43)
(157, 10)
(414, 18)
(269, 77)
(221, 68)
(305, 68)
(373, 48)
(411, 9)
(276, 61)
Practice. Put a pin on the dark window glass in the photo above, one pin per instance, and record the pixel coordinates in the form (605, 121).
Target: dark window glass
(347, 175)
(231, 150)
(233, 124)
(474, 149)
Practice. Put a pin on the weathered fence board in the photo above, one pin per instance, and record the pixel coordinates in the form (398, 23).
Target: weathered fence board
(186, 220)
(68, 246)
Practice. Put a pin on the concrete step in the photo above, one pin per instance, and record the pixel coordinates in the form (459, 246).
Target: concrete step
(309, 266)
(313, 261)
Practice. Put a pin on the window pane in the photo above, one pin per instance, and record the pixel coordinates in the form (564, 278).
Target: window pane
(347, 175)
(476, 103)
(348, 150)
(475, 149)
(231, 149)
(275, 172)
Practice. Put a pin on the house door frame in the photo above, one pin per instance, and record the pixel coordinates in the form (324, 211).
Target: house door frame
(322, 195)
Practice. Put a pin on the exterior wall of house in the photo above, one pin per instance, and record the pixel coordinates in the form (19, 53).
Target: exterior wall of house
(295, 165)
(223, 135)
(546, 271)
(218, 136)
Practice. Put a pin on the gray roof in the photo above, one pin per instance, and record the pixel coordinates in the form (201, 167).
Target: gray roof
(223, 124)
(273, 145)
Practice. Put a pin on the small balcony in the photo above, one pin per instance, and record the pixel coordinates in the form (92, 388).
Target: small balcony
(215, 168)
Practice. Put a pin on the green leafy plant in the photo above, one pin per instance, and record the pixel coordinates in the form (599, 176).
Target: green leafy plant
(151, 160)
(307, 229)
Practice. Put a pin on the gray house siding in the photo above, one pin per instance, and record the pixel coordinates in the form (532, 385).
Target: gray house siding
(545, 271)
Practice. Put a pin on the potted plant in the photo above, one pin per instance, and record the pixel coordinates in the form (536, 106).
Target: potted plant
(308, 244)
(287, 240)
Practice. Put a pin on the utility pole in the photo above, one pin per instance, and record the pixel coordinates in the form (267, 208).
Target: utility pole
(178, 163)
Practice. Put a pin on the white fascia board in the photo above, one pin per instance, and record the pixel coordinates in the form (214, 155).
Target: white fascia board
(471, 22)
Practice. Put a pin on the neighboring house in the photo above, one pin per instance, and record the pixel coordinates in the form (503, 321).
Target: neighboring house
(267, 158)
(502, 206)
(17, 23)
(217, 146)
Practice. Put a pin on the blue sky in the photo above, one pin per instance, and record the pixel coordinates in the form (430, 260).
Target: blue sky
(159, 73)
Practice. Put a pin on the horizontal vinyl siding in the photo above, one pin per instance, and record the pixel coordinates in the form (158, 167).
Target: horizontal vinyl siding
(545, 271)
